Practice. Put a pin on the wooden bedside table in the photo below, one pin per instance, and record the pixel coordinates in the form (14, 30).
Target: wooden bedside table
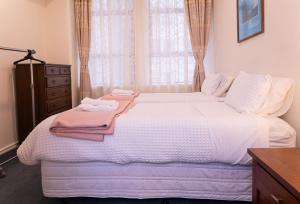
(276, 175)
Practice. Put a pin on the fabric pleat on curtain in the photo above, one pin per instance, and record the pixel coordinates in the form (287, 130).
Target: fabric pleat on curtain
(82, 9)
(198, 14)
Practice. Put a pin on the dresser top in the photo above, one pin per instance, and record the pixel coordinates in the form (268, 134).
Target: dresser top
(282, 163)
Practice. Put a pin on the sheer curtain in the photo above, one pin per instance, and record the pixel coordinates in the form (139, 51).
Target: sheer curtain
(112, 51)
(140, 44)
(171, 57)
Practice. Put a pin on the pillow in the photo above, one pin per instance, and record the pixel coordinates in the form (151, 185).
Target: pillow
(248, 92)
(211, 83)
(224, 86)
(280, 97)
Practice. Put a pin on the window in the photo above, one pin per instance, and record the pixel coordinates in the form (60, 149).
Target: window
(112, 43)
(117, 29)
(171, 57)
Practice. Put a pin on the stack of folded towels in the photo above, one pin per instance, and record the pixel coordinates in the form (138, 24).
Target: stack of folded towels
(121, 95)
(106, 103)
(93, 118)
(93, 105)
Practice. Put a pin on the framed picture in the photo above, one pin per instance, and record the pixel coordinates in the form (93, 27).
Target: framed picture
(250, 18)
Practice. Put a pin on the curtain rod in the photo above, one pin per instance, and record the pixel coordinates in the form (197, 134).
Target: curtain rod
(17, 50)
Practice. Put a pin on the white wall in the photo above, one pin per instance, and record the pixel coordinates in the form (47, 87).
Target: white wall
(277, 51)
(21, 22)
(43, 25)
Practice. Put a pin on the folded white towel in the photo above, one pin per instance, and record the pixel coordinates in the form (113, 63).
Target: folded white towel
(122, 92)
(98, 102)
(93, 108)
(89, 104)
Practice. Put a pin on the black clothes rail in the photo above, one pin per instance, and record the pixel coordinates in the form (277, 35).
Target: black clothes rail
(14, 49)
(29, 57)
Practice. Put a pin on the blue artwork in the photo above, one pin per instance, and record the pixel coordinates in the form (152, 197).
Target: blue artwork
(250, 18)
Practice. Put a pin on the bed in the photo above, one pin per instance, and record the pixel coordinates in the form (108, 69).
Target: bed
(184, 149)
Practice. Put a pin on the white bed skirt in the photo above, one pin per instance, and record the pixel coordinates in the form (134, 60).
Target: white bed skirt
(141, 180)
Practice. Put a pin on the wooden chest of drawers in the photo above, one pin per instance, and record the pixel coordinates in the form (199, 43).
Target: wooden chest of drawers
(52, 83)
(276, 176)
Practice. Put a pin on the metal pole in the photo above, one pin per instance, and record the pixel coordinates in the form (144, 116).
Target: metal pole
(13, 49)
(32, 94)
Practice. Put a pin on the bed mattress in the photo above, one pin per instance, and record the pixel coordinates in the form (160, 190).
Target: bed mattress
(159, 133)
(144, 180)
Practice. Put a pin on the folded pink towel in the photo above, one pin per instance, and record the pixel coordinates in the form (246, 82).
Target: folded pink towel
(87, 125)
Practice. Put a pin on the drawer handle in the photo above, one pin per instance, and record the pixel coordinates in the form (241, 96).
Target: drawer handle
(52, 70)
(277, 200)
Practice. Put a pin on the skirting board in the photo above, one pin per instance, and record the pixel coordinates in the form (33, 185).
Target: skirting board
(8, 148)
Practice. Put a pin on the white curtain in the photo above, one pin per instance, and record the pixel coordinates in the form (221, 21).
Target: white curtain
(112, 46)
(140, 44)
(171, 58)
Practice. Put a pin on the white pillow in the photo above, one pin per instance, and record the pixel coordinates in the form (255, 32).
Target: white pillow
(279, 98)
(211, 83)
(248, 92)
(224, 86)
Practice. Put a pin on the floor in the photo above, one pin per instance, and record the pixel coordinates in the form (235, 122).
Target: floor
(22, 185)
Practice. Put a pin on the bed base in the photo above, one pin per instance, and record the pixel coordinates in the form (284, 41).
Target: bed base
(142, 181)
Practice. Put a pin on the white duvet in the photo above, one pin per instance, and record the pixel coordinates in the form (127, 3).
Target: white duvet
(177, 97)
(158, 133)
